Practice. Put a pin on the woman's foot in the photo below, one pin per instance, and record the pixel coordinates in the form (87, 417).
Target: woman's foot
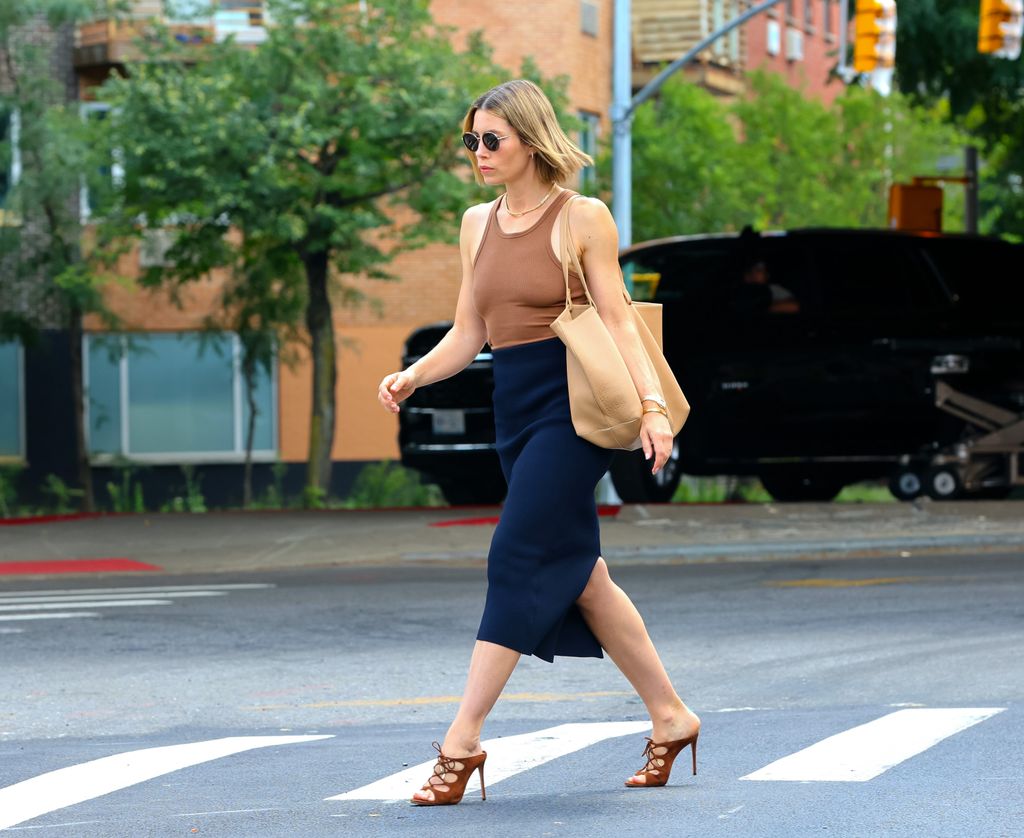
(681, 724)
(452, 750)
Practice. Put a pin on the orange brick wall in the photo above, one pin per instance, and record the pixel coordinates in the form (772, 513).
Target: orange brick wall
(812, 71)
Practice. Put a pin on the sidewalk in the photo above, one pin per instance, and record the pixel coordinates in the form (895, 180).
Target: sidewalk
(238, 541)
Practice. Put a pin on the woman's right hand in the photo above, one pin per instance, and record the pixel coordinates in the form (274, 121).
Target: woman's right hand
(395, 388)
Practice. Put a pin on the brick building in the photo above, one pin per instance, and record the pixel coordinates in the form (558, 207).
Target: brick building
(129, 418)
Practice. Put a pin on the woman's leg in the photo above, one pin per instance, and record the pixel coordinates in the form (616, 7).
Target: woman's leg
(620, 629)
(489, 671)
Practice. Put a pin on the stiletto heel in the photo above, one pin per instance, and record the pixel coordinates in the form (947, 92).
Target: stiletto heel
(659, 766)
(447, 772)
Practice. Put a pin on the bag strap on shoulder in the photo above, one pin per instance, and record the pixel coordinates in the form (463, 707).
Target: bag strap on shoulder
(568, 248)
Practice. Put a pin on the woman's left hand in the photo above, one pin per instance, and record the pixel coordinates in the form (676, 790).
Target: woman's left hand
(656, 438)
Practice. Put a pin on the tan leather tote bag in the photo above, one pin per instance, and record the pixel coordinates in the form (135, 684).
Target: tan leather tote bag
(605, 406)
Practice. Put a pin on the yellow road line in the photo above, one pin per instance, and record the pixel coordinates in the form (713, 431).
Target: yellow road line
(443, 699)
(844, 583)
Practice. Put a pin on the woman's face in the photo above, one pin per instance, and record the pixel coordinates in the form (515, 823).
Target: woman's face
(510, 160)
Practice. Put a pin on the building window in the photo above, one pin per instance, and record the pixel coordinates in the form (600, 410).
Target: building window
(174, 397)
(12, 402)
(10, 154)
(589, 17)
(809, 15)
(97, 186)
(828, 24)
(591, 124)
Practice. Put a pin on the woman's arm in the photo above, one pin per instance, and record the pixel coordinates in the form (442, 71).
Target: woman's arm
(596, 237)
(463, 341)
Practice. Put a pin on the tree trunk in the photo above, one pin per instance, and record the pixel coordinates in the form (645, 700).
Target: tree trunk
(320, 323)
(249, 375)
(78, 398)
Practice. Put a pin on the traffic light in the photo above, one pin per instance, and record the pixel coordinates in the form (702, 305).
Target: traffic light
(999, 27)
(874, 46)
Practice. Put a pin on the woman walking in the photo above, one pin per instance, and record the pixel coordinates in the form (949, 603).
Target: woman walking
(549, 592)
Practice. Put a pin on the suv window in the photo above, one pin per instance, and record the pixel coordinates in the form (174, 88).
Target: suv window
(878, 276)
(985, 277)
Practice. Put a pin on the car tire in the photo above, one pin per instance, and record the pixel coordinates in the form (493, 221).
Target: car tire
(906, 484)
(796, 487)
(944, 483)
(634, 483)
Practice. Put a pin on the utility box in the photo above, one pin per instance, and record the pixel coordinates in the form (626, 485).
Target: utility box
(915, 207)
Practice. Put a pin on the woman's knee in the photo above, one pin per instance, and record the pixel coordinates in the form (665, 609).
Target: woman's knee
(599, 582)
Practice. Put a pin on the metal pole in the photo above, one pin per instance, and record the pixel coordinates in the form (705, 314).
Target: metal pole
(655, 84)
(622, 145)
(622, 107)
(845, 73)
(971, 189)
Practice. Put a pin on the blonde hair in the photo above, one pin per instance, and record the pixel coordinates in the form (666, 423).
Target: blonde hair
(523, 105)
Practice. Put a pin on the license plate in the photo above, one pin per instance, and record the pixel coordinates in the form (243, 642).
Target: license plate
(449, 421)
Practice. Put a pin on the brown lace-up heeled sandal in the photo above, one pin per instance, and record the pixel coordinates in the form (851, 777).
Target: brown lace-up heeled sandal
(452, 774)
(659, 765)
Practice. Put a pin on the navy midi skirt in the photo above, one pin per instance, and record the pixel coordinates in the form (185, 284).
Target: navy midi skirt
(547, 540)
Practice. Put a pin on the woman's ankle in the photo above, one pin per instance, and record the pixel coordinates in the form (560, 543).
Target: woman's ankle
(459, 742)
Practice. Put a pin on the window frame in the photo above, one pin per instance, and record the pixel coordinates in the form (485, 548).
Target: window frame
(85, 212)
(13, 118)
(591, 128)
(237, 455)
(19, 457)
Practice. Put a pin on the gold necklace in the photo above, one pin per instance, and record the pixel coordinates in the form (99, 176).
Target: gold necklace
(543, 200)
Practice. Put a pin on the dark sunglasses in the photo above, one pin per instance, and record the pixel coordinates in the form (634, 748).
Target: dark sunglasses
(491, 140)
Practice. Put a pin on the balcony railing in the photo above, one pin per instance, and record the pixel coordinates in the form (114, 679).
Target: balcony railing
(114, 41)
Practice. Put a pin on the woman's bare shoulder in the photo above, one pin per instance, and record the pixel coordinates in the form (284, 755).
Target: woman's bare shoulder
(477, 214)
(590, 217)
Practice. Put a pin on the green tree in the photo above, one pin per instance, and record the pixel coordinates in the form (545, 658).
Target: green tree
(778, 159)
(937, 59)
(44, 278)
(292, 156)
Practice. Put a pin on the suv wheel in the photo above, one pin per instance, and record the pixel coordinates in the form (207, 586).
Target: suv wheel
(906, 484)
(632, 478)
(788, 487)
(944, 483)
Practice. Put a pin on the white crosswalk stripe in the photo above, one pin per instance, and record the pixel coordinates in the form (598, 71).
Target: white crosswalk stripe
(40, 604)
(863, 752)
(78, 783)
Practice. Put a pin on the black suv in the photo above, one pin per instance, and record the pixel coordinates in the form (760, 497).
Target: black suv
(810, 359)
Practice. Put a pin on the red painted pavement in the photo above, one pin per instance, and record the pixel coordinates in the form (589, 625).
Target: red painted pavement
(47, 519)
(75, 566)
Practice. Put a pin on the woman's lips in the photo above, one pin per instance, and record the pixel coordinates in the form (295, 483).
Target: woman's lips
(486, 169)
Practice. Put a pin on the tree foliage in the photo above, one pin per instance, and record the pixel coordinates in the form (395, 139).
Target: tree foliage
(776, 159)
(292, 161)
(937, 58)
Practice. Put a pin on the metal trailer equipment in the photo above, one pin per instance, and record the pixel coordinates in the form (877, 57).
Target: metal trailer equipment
(988, 461)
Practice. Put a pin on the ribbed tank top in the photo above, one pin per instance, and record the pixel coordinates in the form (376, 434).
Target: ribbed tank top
(518, 288)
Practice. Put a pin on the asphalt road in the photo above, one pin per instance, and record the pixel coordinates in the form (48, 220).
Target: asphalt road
(361, 666)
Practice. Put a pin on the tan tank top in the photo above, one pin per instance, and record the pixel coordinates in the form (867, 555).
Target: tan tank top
(518, 288)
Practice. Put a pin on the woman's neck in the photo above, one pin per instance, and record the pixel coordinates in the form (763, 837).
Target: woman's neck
(525, 193)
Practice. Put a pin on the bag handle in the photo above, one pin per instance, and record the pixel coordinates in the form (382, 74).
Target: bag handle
(569, 253)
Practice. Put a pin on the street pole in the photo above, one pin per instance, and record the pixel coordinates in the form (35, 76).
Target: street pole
(971, 189)
(623, 108)
(622, 140)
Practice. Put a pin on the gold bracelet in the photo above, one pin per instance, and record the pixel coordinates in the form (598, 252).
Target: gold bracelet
(660, 410)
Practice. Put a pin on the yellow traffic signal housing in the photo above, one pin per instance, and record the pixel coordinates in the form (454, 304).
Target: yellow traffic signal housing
(874, 45)
(915, 207)
(999, 27)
